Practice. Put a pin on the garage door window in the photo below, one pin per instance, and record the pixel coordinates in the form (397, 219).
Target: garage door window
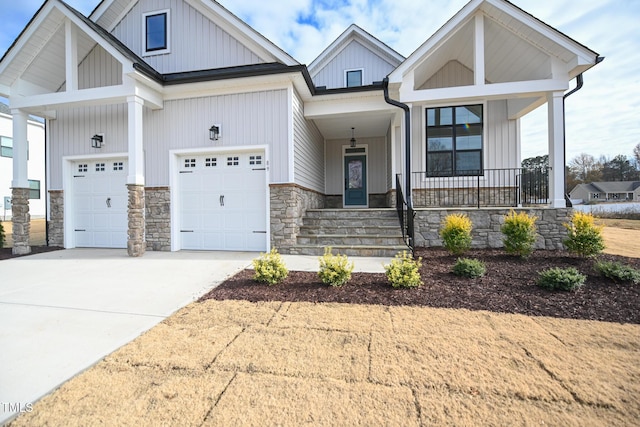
(233, 161)
(100, 167)
(211, 162)
(255, 160)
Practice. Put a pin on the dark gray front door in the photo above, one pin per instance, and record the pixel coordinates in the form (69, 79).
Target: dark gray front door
(355, 181)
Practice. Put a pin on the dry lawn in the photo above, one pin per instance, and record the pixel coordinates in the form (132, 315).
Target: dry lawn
(225, 363)
(621, 236)
(37, 236)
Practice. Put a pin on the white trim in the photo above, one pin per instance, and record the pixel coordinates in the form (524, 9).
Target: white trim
(67, 190)
(344, 156)
(167, 49)
(291, 134)
(174, 168)
(347, 71)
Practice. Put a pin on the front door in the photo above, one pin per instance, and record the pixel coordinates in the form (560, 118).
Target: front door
(355, 181)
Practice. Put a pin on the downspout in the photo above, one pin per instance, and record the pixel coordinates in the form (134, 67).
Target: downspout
(579, 84)
(407, 139)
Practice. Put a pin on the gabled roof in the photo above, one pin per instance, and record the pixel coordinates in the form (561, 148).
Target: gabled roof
(513, 20)
(354, 32)
(110, 12)
(615, 186)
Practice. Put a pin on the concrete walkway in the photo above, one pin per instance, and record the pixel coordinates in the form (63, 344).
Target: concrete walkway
(63, 311)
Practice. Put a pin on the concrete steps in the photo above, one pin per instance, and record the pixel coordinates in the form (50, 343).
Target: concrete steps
(352, 232)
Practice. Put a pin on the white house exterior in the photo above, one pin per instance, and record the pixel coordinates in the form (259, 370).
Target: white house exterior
(174, 125)
(35, 165)
(608, 191)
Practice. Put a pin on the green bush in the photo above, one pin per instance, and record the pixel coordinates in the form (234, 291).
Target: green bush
(270, 268)
(564, 279)
(2, 237)
(618, 272)
(404, 271)
(585, 237)
(519, 231)
(456, 233)
(335, 270)
(468, 267)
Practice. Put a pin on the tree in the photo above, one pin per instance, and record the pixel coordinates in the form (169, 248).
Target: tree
(619, 169)
(585, 168)
(636, 155)
(536, 162)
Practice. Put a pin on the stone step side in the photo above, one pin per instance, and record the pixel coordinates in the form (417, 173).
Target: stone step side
(368, 251)
(349, 240)
(352, 230)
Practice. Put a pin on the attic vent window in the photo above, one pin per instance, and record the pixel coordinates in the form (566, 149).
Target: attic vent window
(156, 32)
(353, 78)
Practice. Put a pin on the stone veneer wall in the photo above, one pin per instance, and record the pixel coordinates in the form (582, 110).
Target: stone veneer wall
(55, 225)
(289, 202)
(21, 221)
(486, 226)
(158, 218)
(135, 241)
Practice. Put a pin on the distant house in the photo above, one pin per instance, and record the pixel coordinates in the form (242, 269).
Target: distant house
(173, 125)
(607, 191)
(35, 154)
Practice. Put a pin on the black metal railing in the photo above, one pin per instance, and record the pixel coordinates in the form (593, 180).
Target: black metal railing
(484, 188)
(405, 214)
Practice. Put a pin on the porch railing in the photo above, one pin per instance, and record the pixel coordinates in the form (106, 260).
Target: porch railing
(485, 188)
(405, 214)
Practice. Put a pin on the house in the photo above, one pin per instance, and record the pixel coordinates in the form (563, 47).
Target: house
(617, 191)
(35, 164)
(172, 125)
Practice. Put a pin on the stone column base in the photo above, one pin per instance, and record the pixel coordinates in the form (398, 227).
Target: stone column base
(21, 221)
(135, 243)
(55, 226)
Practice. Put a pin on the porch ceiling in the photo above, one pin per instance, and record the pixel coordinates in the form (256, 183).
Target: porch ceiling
(366, 125)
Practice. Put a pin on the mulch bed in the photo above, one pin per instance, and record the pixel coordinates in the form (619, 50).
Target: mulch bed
(508, 287)
(5, 253)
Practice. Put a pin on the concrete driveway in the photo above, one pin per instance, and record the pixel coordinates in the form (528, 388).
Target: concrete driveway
(61, 312)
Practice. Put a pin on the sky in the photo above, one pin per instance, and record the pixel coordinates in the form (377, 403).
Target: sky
(601, 119)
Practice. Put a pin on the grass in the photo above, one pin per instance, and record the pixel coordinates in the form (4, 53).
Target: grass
(241, 363)
(37, 236)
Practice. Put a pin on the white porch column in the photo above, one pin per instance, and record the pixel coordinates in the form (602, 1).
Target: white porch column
(136, 245)
(555, 107)
(20, 186)
(136, 152)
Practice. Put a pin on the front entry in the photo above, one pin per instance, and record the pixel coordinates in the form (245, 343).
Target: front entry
(355, 181)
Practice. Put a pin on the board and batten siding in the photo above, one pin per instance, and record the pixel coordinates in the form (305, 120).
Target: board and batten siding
(255, 118)
(308, 146)
(99, 69)
(451, 74)
(377, 164)
(353, 56)
(70, 134)
(196, 43)
(500, 145)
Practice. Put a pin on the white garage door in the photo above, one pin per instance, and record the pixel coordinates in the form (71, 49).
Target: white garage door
(223, 202)
(100, 203)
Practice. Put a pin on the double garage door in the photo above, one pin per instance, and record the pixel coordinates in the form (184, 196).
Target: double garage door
(222, 201)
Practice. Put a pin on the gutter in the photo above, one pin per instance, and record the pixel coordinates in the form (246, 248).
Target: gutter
(579, 84)
(407, 139)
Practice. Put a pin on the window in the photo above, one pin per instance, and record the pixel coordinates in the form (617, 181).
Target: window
(6, 146)
(353, 78)
(34, 189)
(454, 141)
(156, 32)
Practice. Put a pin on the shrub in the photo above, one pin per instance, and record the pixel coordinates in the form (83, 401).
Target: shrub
(2, 237)
(564, 279)
(270, 268)
(456, 233)
(585, 237)
(335, 270)
(404, 271)
(618, 272)
(519, 231)
(471, 268)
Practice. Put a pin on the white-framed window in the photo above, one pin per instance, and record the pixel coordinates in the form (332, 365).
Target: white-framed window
(156, 35)
(6, 146)
(34, 189)
(353, 78)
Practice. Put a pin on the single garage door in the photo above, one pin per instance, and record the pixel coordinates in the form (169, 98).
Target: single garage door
(222, 202)
(100, 203)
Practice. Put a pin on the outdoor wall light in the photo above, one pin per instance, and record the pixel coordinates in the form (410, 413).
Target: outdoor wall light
(214, 132)
(97, 141)
(353, 138)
